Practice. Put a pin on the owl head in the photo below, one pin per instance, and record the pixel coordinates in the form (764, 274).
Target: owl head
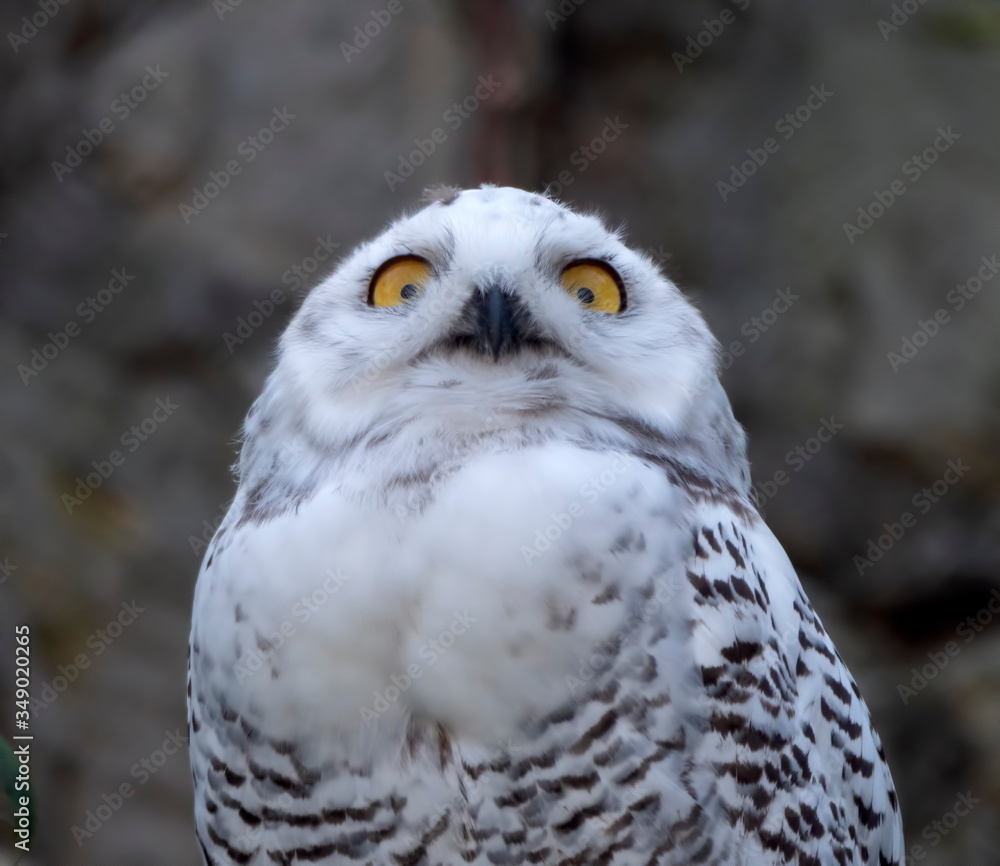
(496, 307)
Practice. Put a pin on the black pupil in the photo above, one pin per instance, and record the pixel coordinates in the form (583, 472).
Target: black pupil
(408, 292)
(585, 295)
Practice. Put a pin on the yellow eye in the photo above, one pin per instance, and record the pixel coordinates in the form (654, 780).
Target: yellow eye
(399, 281)
(595, 286)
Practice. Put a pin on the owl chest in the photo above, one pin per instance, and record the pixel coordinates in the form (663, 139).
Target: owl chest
(474, 611)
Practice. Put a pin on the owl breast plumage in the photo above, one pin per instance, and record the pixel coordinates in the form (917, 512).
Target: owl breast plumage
(492, 589)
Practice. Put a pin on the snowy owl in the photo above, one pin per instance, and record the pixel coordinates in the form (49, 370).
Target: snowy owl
(493, 589)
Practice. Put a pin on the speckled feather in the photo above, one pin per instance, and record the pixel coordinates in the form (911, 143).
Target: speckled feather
(514, 611)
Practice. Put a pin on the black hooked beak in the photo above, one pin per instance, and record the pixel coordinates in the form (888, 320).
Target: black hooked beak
(496, 322)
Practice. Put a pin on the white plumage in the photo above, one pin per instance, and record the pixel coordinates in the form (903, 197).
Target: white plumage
(492, 589)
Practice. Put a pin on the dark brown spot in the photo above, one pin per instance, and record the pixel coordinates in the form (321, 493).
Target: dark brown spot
(441, 194)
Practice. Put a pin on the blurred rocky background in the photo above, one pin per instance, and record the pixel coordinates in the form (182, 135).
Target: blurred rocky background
(821, 177)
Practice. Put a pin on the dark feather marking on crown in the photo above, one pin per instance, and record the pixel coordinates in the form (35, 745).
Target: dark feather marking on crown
(441, 194)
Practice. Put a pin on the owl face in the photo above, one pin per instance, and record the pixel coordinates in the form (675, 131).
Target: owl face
(497, 303)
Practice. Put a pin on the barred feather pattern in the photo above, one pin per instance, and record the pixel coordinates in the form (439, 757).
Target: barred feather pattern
(717, 725)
